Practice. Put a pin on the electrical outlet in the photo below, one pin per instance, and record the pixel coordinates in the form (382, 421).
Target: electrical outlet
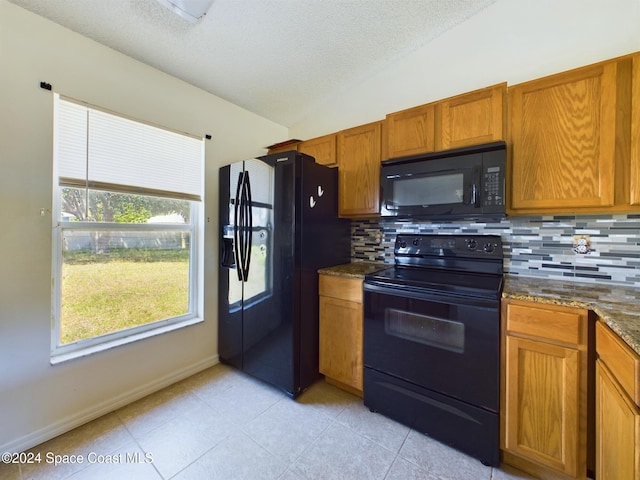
(582, 244)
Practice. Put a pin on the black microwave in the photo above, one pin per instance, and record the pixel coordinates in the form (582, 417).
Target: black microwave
(466, 183)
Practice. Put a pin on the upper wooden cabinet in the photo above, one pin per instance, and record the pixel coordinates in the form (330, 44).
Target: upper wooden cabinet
(323, 149)
(569, 141)
(472, 118)
(635, 133)
(412, 131)
(359, 170)
(469, 119)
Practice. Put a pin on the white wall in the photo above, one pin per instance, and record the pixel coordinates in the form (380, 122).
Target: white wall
(38, 400)
(511, 40)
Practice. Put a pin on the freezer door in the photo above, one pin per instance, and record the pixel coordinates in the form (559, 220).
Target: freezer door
(230, 285)
(268, 315)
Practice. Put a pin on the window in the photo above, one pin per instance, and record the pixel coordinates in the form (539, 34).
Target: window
(125, 232)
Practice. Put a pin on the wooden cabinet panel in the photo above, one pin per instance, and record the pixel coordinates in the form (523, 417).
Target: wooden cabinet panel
(541, 410)
(323, 149)
(544, 402)
(411, 131)
(563, 135)
(623, 362)
(472, 118)
(635, 132)
(617, 429)
(341, 318)
(535, 321)
(341, 341)
(359, 170)
(349, 289)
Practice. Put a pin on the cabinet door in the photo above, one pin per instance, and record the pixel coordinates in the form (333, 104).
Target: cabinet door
(562, 132)
(635, 132)
(617, 429)
(359, 171)
(323, 149)
(341, 341)
(473, 118)
(541, 417)
(411, 131)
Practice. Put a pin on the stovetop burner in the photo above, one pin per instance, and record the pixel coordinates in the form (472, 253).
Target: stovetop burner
(455, 264)
(433, 280)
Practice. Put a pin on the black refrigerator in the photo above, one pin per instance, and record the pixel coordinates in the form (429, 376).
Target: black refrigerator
(279, 225)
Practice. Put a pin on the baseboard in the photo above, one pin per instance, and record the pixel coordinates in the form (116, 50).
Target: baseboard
(69, 423)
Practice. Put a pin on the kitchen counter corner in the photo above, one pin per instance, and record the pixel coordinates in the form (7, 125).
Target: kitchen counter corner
(353, 269)
(617, 306)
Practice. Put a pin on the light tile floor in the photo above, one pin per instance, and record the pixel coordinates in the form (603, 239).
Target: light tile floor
(221, 424)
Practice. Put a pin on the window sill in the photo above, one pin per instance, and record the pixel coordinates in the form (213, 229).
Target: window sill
(57, 358)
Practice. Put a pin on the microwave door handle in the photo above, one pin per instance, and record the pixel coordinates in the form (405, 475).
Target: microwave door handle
(474, 196)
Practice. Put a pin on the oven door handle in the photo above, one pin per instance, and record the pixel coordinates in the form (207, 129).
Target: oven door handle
(408, 292)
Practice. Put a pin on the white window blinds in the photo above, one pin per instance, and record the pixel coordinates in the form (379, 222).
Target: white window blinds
(100, 150)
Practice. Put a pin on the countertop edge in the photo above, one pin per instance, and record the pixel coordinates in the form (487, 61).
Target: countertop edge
(622, 318)
(353, 269)
(617, 307)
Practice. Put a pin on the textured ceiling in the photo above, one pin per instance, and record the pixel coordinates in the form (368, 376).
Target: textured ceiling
(277, 58)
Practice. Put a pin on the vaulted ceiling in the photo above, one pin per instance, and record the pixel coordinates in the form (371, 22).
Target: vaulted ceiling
(276, 58)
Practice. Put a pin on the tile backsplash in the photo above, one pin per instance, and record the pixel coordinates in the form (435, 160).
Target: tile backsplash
(602, 249)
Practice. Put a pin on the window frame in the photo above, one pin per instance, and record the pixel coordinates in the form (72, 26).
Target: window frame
(63, 352)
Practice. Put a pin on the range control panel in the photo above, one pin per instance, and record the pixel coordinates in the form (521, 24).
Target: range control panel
(467, 246)
(493, 186)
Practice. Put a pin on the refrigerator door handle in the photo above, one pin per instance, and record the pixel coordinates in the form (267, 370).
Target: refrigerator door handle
(237, 220)
(249, 229)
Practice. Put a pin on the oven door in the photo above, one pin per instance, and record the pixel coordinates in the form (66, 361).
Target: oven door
(441, 187)
(443, 343)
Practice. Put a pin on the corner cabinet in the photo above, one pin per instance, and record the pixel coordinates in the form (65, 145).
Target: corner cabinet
(569, 140)
(341, 317)
(617, 411)
(634, 195)
(544, 388)
(359, 160)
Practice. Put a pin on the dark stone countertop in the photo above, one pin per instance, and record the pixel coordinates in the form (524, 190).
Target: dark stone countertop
(354, 269)
(618, 306)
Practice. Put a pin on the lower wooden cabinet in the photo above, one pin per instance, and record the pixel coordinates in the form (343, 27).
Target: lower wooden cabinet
(617, 414)
(544, 389)
(341, 331)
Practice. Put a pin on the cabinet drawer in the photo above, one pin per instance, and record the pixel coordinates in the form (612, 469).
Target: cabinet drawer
(623, 362)
(341, 287)
(562, 324)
